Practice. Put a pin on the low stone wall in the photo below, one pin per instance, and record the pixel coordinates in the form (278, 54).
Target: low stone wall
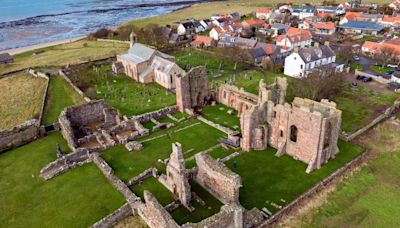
(159, 114)
(304, 198)
(63, 75)
(67, 162)
(392, 110)
(113, 218)
(45, 76)
(19, 135)
(114, 41)
(215, 125)
(144, 175)
(374, 77)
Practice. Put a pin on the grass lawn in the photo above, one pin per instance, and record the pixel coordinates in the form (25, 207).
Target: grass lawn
(220, 152)
(381, 70)
(151, 184)
(194, 139)
(360, 106)
(21, 99)
(371, 196)
(356, 66)
(122, 92)
(215, 65)
(211, 207)
(268, 179)
(77, 198)
(60, 95)
(218, 114)
(71, 53)
(249, 80)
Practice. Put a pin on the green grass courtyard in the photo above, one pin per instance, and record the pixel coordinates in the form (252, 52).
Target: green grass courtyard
(219, 114)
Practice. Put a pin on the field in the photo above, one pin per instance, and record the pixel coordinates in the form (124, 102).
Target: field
(368, 198)
(77, 198)
(59, 96)
(268, 179)
(122, 92)
(21, 99)
(60, 55)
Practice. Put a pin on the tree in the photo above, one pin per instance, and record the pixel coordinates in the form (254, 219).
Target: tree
(385, 55)
(324, 83)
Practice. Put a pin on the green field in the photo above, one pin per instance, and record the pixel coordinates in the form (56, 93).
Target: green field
(59, 96)
(122, 92)
(381, 70)
(269, 179)
(77, 198)
(219, 114)
(371, 196)
(197, 137)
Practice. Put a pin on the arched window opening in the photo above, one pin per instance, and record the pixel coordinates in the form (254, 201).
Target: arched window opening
(293, 133)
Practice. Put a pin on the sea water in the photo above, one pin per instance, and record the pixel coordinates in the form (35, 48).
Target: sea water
(30, 22)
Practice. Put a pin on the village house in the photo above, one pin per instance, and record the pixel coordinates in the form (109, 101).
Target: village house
(395, 5)
(388, 21)
(222, 21)
(271, 50)
(226, 40)
(202, 41)
(263, 13)
(359, 16)
(257, 55)
(6, 58)
(254, 24)
(279, 29)
(373, 48)
(219, 31)
(295, 38)
(350, 16)
(304, 12)
(302, 62)
(361, 27)
(147, 65)
(245, 43)
(325, 28)
(190, 27)
(332, 10)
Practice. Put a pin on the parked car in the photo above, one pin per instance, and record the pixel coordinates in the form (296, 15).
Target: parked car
(356, 58)
(389, 72)
(392, 65)
(360, 78)
(367, 79)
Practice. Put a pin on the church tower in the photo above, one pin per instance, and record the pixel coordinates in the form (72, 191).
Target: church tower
(132, 38)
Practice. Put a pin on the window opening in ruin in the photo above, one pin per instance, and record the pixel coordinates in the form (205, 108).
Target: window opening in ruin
(274, 114)
(328, 135)
(293, 133)
(281, 133)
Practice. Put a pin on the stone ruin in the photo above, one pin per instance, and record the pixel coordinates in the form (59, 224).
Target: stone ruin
(97, 126)
(220, 181)
(177, 180)
(192, 89)
(20, 134)
(306, 130)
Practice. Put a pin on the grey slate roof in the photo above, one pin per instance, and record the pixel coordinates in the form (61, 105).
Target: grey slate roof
(362, 25)
(140, 53)
(5, 57)
(312, 54)
(257, 52)
(239, 41)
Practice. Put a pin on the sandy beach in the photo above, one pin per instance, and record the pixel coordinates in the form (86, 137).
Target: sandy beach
(15, 51)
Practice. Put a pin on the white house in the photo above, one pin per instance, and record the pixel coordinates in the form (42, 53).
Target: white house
(190, 27)
(302, 62)
(263, 13)
(304, 12)
(295, 38)
(218, 31)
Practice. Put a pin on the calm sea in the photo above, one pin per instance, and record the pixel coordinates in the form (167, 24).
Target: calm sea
(30, 22)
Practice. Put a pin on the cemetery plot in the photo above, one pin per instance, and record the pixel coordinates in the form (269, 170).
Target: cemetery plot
(21, 99)
(121, 92)
(271, 182)
(223, 115)
(77, 198)
(59, 96)
(192, 134)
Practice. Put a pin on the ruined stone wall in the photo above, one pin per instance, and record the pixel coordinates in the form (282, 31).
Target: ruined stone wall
(67, 130)
(217, 179)
(121, 213)
(87, 113)
(236, 98)
(158, 114)
(154, 214)
(19, 135)
(192, 89)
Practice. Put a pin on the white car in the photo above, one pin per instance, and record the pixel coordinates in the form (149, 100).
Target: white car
(392, 65)
(356, 58)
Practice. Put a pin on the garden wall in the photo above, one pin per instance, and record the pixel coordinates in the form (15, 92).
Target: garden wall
(305, 197)
(19, 135)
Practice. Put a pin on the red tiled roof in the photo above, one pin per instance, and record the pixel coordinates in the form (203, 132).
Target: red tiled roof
(296, 35)
(393, 45)
(263, 10)
(253, 22)
(325, 25)
(202, 40)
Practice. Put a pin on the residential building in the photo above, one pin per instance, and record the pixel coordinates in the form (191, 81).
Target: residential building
(245, 43)
(372, 48)
(257, 55)
(218, 31)
(332, 10)
(271, 50)
(279, 29)
(302, 62)
(263, 13)
(325, 28)
(361, 27)
(6, 58)
(304, 12)
(186, 28)
(202, 41)
(254, 23)
(295, 38)
(350, 16)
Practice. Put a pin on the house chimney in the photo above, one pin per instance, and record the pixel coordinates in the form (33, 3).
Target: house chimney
(316, 44)
(296, 49)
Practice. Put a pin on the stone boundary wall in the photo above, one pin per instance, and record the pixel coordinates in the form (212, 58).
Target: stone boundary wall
(392, 110)
(45, 76)
(114, 41)
(158, 114)
(144, 175)
(226, 130)
(374, 77)
(304, 198)
(230, 157)
(19, 135)
(63, 75)
(113, 218)
(65, 163)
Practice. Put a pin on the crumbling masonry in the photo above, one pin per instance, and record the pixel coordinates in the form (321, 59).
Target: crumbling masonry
(306, 130)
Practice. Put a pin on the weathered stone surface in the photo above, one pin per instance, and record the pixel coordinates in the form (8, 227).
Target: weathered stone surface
(158, 114)
(144, 175)
(113, 218)
(21, 134)
(192, 89)
(133, 145)
(217, 179)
